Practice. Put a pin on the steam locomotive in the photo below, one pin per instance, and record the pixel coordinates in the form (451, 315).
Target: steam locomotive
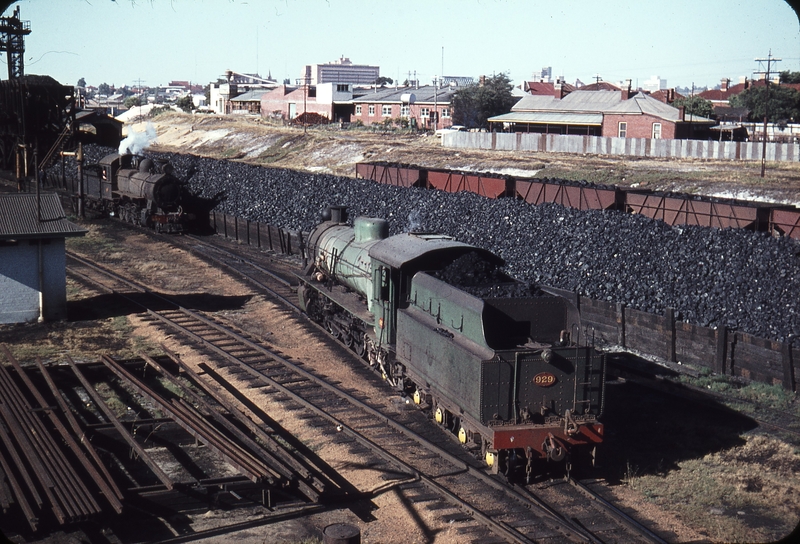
(138, 190)
(505, 367)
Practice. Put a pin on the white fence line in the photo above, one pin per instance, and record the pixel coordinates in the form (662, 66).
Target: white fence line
(635, 147)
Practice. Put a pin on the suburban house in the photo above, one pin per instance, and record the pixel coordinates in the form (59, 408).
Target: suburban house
(330, 100)
(33, 281)
(223, 91)
(248, 102)
(615, 113)
(425, 107)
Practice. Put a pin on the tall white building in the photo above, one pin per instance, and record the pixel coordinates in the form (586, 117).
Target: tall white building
(655, 83)
(341, 71)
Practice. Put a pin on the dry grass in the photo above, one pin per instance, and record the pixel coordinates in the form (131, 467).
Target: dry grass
(743, 494)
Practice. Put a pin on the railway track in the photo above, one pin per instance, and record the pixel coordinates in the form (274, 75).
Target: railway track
(400, 442)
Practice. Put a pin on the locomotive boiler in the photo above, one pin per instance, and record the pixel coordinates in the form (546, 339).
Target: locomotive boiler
(506, 368)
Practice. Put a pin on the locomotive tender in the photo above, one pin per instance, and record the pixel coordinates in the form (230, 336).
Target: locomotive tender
(508, 376)
(139, 190)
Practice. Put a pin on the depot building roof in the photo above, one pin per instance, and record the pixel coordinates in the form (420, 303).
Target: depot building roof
(19, 218)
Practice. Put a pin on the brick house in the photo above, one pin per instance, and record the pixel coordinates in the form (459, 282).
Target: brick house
(610, 113)
(426, 107)
(330, 100)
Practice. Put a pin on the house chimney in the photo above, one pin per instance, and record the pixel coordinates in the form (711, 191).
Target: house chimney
(558, 91)
(482, 81)
(724, 84)
(681, 113)
(626, 92)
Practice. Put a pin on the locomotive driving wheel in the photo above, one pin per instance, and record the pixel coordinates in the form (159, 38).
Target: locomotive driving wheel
(359, 343)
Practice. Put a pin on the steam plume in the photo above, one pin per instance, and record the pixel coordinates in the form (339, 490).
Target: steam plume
(135, 142)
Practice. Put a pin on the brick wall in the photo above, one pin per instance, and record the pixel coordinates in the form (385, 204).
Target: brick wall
(415, 111)
(639, 126)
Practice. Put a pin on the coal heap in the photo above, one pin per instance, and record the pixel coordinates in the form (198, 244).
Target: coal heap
(483, 279)
(734, 278)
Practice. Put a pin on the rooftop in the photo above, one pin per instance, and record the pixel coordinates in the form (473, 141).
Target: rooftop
(423, 94)
(19, 218)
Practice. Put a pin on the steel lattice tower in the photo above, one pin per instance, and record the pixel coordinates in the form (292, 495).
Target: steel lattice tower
(12, 41)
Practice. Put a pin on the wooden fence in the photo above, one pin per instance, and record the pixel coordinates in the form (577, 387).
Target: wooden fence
(260, 235)
(633, 147)
(722, 351)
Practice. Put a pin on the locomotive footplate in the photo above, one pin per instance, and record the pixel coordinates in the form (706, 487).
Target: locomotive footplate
(527, 436)
(342, 297)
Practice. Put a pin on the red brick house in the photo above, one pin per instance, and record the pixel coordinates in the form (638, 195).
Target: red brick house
(425, 107)
(330, 100)
(610, 113)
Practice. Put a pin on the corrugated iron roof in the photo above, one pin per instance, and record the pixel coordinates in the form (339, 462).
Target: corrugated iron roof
(424, 94)
(601, 102)
(250, 96)
(551, 117)
(19, 220)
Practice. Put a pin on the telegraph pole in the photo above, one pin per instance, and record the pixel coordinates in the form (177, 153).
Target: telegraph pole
(769, 60)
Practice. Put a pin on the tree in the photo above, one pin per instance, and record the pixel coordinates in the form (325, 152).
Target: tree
(474, 104)
(695, 105)
(104, 88)
(784, 103)
(383, 81)
(790, 77)
(132, 102)
(81, 83)
(185, 103)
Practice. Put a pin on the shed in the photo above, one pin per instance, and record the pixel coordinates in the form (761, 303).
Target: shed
(33, 284)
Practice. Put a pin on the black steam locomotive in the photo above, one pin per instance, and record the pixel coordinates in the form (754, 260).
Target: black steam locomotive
(503, 366)
(138, 190)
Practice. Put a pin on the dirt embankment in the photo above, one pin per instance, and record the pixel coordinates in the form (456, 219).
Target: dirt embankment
(333, 150)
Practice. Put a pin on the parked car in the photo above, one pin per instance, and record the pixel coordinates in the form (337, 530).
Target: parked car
(454, 128)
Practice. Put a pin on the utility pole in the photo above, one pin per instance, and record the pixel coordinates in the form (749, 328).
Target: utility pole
(769, 60)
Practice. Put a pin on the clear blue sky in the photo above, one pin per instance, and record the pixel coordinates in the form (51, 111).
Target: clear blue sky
(156, 41)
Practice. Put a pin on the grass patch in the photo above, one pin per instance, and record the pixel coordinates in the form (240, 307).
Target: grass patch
(47, 351)
(95, 241)
(112, 400)
(749, 493)
(283, 148)
(753, 394)
(232, 153)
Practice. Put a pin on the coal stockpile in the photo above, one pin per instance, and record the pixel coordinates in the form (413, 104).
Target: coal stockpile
(735, 278)
(478, 277)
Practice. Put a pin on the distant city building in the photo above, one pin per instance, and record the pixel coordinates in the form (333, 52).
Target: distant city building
(340, 71)
(457, 81)
(544, 76)
(655, 83)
